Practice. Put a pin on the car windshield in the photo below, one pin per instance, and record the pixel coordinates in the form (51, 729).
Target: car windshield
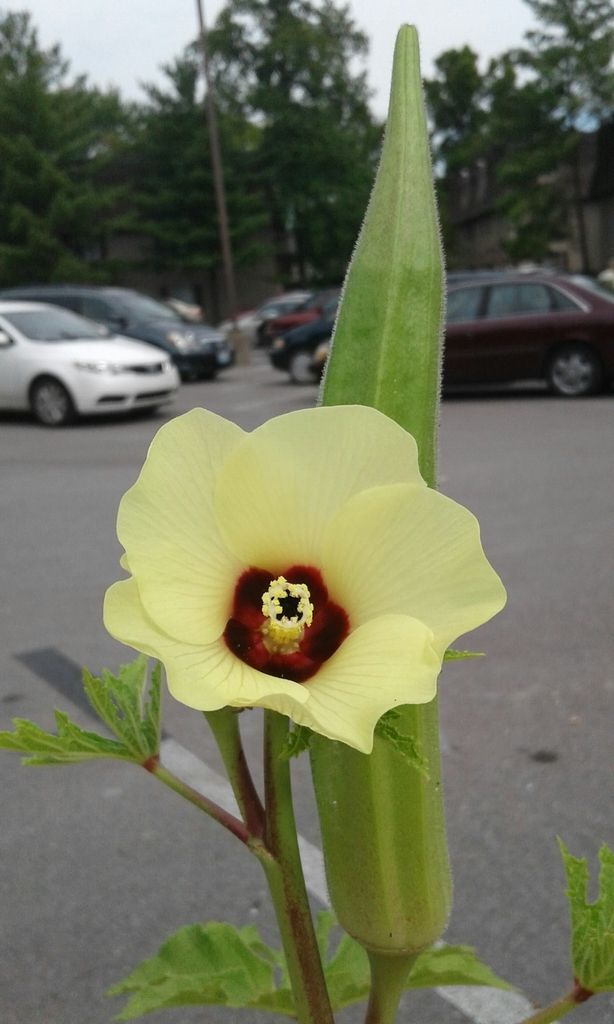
(311, 303)
(52, 324)
(141, 307)
(593, 286)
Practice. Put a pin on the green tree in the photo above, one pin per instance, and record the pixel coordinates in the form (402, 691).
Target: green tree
(173, 190)
(287, 66)
(571, 53)
(525, 141)
(525, 116)
(572, 50)
(455, 100)
(55, 137)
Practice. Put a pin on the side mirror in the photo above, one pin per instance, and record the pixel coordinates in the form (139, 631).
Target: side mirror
(5, 339)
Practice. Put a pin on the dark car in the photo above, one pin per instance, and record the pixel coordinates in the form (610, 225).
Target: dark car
(500, 328)
(197, 350)
(302, 351)
(311, 310)
(515, 327)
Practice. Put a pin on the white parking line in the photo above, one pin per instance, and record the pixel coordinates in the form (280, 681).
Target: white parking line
(481, 1005)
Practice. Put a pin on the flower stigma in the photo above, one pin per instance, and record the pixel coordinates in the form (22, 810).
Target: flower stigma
(287, 610)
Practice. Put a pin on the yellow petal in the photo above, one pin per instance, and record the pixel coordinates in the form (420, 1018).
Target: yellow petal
(167, 525)
(409, 550)
(383, 664)
(283, 482)
(126, 620)
(206, 677)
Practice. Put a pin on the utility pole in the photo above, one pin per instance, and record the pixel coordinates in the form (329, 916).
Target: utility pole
(216, 167)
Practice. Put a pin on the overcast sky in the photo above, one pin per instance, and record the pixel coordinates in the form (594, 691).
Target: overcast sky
(124, 42)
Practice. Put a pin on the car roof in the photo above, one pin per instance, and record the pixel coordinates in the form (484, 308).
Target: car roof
(61, 289)
(511, 277)
(21, 306)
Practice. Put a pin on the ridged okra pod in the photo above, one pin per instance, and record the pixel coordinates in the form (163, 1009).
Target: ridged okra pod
(382, 821)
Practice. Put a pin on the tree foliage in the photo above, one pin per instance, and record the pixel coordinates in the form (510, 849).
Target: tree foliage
(286, 66)
(455, 97)
(525, 116)
(174, 205)
(572, 50)
(55, 136)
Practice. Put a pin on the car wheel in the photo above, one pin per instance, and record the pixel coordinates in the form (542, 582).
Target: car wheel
(575, 371)
(299, 368)
(51, 403)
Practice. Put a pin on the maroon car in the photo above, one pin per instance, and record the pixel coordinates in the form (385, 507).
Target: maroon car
(310, 310)
(503, 328)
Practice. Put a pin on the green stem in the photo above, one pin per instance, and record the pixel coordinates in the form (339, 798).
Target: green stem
(224, 725)
(286, 881)
(219, 814)
(551, 1014)
(388, 979)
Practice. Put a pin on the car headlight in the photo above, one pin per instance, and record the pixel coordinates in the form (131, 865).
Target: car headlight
(100, 366)
(179, 341)
(278, 343)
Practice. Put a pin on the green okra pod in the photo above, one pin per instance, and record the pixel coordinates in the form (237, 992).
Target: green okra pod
(382, 821)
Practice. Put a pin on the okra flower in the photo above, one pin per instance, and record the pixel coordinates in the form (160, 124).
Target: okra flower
(304, 567)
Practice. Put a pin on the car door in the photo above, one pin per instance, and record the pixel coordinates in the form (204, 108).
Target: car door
(102, 312)
(13, 369)
(463, 310)
(515, 332)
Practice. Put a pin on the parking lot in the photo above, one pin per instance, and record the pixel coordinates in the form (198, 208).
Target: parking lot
(98, 867)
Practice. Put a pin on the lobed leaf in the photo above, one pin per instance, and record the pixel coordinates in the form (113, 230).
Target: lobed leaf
(128, 706)
(405, 746)
(199, 965)
(348, 975)
(452, 965)
(216, 964)
(70, 745)
(297, 740)
(592, 924)
(125, 704)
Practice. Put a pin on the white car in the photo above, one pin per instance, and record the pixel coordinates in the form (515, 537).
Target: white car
(59, 365)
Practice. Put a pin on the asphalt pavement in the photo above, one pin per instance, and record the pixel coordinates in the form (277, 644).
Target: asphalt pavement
(99, 863)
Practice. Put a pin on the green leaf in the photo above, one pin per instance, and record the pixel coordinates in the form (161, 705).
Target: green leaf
(452, 655)
(212, 964)
(297, 740)
(452, 965)
(216, 964)
(70, 745)
(124, 705)
(592, 924)
(348, 975)
(406, 746)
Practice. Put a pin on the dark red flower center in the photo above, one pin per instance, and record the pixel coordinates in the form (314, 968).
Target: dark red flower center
(247, 630)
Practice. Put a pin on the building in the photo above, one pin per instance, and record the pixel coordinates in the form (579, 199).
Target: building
(478, 229)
